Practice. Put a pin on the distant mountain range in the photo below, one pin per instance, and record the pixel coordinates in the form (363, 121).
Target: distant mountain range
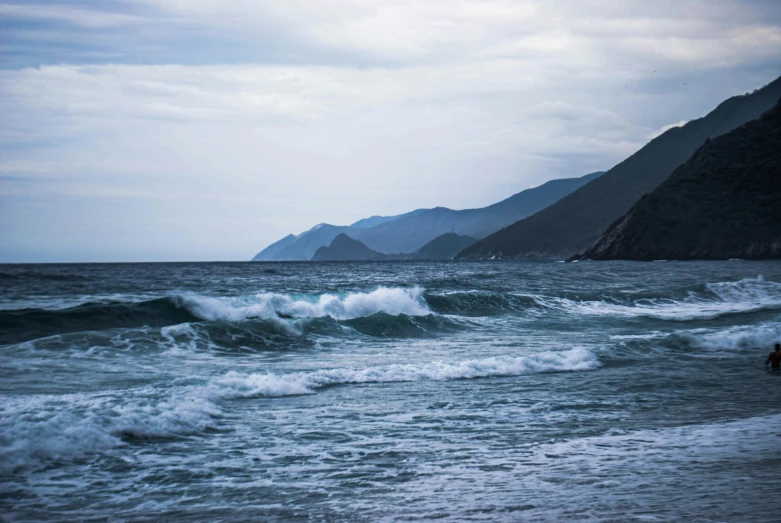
(723, 202)
(344, 248)
(576, 221)
(406, 233)
(564, 217)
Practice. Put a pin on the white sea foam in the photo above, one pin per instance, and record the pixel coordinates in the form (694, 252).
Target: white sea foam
(746, 295)
(235, 385)
(394, 301)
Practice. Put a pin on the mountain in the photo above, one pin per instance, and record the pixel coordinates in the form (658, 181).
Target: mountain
(372, 221)
(345, 248)
(723, 202)
(444, 247)
(408, 232)
(573, 223)
(272, 250)
(308, 242)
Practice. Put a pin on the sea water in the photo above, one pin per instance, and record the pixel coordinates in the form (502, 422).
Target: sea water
(475, 391)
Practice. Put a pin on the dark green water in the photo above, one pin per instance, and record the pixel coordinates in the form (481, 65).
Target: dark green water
(390, 391)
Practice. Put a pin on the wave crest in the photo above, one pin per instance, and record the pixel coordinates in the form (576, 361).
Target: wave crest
(28, 324)
(392, 301)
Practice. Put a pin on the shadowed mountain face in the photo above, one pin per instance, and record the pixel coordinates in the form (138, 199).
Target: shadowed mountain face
(724, 202)
(573, 223)
(444, 247)
(406, 233)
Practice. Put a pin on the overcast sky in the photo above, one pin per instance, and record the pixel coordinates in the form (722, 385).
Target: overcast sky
(207, 129)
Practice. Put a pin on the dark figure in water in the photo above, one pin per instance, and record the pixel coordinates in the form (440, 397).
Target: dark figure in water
(774, 358)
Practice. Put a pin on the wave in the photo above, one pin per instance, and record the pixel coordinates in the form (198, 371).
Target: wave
(478, 303)
(28, 324)
(732, 338)
(37, 431)
(716, 299)
(271, 312)
(401, 312)
(235, 385)
(345, 306)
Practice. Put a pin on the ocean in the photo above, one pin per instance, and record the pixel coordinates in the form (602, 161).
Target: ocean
(390, 391)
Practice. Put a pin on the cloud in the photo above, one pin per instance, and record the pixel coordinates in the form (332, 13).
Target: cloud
(235, 123)
(89, 18)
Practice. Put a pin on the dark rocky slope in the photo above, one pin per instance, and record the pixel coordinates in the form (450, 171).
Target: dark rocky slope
(573, 223)
(724, 202)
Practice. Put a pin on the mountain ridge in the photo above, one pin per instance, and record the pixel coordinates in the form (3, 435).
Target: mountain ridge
(408, 232)
(576, 221)
(724, 202)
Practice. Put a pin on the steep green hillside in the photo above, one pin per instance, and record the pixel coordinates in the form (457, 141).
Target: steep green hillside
(724, 202)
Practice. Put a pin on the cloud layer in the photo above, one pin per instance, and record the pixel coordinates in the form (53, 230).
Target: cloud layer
(190, 130)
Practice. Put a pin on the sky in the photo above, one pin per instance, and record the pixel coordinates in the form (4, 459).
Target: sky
(175, 130)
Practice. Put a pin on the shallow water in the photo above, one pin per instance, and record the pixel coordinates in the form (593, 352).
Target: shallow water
(390, 391)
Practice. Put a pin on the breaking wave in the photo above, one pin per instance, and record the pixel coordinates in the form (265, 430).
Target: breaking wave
(28, 324)
(395, 311)
(393, 301)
